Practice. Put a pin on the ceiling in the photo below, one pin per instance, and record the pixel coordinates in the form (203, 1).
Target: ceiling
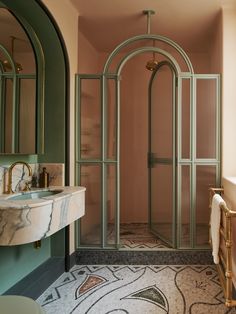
(191, 23)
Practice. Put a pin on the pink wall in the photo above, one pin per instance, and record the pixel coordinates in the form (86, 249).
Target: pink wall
(90, 139)
(134, 137)
(229, 93)
(87, 56)
(134, 132)
(133, 196)
(134, 140)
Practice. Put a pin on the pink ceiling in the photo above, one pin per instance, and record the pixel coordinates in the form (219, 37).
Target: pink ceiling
(106, 23)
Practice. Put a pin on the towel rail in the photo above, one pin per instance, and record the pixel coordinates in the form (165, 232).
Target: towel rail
(221, 255)
(223, 233)
(225, 265)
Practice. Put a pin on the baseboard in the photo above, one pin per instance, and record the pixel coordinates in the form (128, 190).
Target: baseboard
(131, 257)
(34, 284)
(72, 261)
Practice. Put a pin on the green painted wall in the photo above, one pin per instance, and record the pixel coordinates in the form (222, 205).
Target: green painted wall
(7, 159)
(18, 261)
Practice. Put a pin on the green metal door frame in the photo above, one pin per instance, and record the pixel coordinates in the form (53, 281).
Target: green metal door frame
(193, 161)
(154, 161)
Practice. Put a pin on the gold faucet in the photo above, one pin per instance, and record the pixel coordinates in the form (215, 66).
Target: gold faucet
(9, 186)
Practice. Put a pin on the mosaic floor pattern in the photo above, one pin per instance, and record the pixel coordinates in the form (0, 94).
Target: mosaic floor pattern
(139, 236)
(117, 289)
(133, 236)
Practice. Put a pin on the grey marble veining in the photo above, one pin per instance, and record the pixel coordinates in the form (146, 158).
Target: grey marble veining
(29, 220)
(20, 176)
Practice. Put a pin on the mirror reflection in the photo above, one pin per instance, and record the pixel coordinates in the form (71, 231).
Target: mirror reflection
(17, 88)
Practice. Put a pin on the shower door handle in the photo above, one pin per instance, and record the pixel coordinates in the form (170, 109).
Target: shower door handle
(152, 160)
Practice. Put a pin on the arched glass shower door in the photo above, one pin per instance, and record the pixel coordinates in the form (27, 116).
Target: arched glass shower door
(162, 153)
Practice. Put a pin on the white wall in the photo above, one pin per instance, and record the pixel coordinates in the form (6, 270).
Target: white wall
(216, 57)
(229, 92)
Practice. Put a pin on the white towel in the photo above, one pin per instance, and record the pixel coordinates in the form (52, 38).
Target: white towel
(217, 200)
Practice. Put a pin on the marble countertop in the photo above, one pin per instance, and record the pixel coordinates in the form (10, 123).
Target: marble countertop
(28, 220)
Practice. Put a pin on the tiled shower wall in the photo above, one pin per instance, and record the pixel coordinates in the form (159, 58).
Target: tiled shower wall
(20, 176)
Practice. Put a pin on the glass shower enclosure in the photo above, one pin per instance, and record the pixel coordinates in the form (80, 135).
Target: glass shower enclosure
(183, 154)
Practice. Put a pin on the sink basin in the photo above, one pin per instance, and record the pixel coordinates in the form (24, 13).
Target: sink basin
(34, 195)
(34, 215)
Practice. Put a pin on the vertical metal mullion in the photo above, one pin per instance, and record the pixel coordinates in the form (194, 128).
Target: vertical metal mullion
(174, 116)
(179, 156)
(77, 147)
(78, 118)
(17, 115)
(102, 158)
(118, 162)
(2, 113)
(104, 150)
(193, 167)
(149, 153)
(218, 129)
(179, 202)
(13, 114)
(78, 229)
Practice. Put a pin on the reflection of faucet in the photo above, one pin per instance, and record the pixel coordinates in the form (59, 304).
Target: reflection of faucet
(9, 187)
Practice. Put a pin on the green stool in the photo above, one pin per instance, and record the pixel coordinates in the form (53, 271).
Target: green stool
(14, 304)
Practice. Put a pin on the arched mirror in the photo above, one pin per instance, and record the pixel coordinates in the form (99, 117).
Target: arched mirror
(20, 89)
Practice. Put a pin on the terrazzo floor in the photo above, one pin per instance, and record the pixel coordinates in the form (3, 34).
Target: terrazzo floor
(138, 236)
(133, 236)
(123, 289)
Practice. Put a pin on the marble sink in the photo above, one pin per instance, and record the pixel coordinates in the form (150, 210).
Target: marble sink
(30, 216)
(229, 185)
(33, 195)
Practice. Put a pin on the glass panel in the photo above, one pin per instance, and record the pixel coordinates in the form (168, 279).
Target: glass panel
(8, 115)
(162, 200)
(90, 119)
(205, 178)
(91, 222)
(134, 141)
(185, 118)
(206, 118)
(27, 108)
(111, 119)
(185, 206)
(18, 60)
(111, 204)
(161, 140)
(161, 113)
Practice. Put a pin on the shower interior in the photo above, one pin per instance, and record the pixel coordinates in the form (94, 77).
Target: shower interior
(136, 205)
